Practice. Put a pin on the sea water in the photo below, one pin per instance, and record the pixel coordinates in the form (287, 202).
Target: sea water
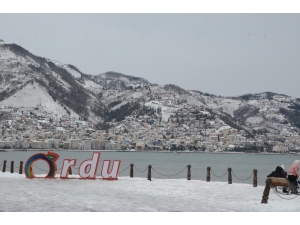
(167, 165)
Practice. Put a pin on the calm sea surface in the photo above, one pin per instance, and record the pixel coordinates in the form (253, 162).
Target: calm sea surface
(166, 165)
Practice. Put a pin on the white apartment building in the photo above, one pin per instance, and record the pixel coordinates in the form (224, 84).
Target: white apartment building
(232, 138)
(87, 144)
(6, 144)
(37, 144)
(74, 143)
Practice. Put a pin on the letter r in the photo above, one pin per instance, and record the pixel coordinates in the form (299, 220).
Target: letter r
(67, 163)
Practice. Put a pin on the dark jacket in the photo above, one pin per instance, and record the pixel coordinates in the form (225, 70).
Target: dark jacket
(279, 172)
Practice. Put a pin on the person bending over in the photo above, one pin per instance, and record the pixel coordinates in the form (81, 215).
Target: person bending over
(293, 173)
(279, 172)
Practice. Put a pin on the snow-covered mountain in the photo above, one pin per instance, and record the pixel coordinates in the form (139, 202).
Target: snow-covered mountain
(107, 100)
(262, 113)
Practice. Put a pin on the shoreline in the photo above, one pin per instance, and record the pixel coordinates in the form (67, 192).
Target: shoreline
(164, 151)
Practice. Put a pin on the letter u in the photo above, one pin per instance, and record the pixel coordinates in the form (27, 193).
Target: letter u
(113, 174)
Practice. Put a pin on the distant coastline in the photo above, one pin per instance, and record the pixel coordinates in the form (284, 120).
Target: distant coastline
(132, 150)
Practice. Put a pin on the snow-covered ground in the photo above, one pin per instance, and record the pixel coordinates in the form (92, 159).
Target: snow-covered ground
(126, 194)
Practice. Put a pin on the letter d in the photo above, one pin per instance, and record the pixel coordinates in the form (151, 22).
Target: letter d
(88, 168)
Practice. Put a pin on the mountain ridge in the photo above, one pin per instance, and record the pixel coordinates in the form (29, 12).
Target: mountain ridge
(111, 99)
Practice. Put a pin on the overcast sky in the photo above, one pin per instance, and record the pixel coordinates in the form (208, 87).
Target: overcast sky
(222, 54)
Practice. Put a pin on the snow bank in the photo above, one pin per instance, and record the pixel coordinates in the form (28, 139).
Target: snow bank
(126, 194)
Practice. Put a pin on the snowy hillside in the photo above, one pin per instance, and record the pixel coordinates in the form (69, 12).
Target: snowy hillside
(112, 99)
(34, 96)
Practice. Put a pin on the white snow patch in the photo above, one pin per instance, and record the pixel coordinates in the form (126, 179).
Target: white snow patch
(65, 85)
(153, 104)
(91, 84)
(277, 117)
(60, 129)
(155, 88)
(119, 105)
(74, 73)
(254, 120)
(6, 54)
(166, 111)
(253, 102)
(225, 127)
(136, 95)
(125, 79)
(32, 96)
(193, 101)
(230, 105)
